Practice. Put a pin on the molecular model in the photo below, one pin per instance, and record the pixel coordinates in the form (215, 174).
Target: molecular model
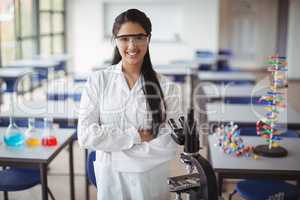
(273, 102)
(231, 142)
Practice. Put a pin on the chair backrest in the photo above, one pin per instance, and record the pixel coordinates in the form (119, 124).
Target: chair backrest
(290, 133)
(251, 131)
(205, 55)
(57, 97)
(248, 131)
(90, 167)
(224, 56)
(241, 100)
(15, 179)
(22, 122)
(267, 189)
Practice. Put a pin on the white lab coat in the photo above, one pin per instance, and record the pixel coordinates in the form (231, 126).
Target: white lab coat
(109, 118)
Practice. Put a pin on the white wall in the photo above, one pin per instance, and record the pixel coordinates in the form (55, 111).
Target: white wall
(84, 26)
(293, 48)
(86, 43)
(259, 35)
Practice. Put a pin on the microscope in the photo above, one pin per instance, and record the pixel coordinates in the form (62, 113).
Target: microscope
(201, 185)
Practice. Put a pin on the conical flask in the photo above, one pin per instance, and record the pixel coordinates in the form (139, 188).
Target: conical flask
(13, 136)
(49, 138)
(33, 136)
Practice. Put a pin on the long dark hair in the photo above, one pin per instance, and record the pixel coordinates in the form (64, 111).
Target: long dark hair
(151, 86)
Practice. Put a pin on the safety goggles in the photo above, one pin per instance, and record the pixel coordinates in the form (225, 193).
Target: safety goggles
(137, 39)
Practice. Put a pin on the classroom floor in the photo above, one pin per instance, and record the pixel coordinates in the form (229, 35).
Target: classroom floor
(58, 179)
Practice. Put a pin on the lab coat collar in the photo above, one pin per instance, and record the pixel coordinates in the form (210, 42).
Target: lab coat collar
(137, 86)
(119, 67)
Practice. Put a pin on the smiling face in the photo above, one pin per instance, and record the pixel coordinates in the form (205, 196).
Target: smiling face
(132, 42)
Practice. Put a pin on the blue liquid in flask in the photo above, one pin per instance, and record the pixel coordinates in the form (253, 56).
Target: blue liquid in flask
(14, 139)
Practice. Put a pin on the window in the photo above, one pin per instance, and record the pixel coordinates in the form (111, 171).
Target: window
(26, 36)
(31, 27)
(7, 32)
(52, 31)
